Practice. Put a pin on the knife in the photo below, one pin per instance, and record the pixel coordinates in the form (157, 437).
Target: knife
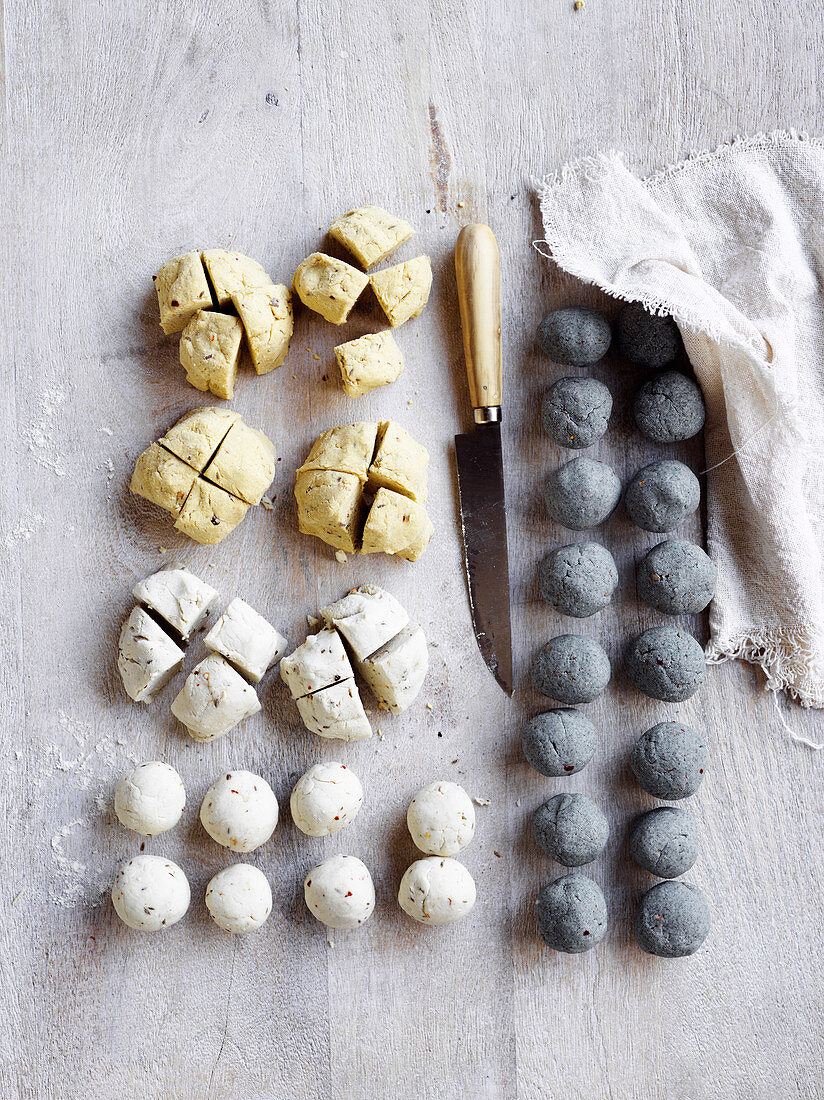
(480, 463)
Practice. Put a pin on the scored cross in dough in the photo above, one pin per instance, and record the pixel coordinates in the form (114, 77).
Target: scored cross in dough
(403, 290)
(396, 525)
(210, 352)
(330, 507)
(266, 313)
(198, 434)
(210, 513)
(214, 699)
(328, 286)
(369, 362)
(335, 712)
(399, 464)
(162, 478)
(370, 233)
(231, 273)
(244, 464)
(182, 290)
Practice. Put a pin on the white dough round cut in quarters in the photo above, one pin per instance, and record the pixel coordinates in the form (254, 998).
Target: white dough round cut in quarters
(436, 891)
(441, 819)
(239, 811)
(239, 898)
(326, 799)
(339, 892)
(150, 893)
(150, 798)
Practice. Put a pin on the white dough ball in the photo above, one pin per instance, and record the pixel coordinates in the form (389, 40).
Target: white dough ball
(150, 892)
(240, 811)
(150, 798)
(239, 898)
(339, 892)
(326, 799)
(441, 819)
(436, 891)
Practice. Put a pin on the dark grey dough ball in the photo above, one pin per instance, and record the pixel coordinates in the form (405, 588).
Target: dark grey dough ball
(645, 339)
(575, 336)
(559, 742)
(666, 663)
(676, 577)
(572, 914)
(578, 580)
(662, 495)
(669, 407)
(672, 920)
(582, 493)
(669, 761)
(571, 669)
(570, 828)
(575, 412)
(664, 841)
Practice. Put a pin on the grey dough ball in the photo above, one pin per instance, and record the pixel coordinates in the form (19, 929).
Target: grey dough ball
(570, 829)
(578, 580)
(645, 339)
(669, 407)
(572, 914)
(662, 495)
(582, 493)
(575, 412)
(667, 664)
(571, 669)
(559, 742)
(672, 920)
(575, 336)
(669, 761)
(676, 577)
(664, 841)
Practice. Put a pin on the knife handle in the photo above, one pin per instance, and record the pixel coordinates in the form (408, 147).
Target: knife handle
(478, 271)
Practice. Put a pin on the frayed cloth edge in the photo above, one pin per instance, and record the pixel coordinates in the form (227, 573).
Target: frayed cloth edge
(790, 660)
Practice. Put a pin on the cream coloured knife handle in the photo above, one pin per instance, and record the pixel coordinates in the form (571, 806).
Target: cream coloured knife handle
(478, 271)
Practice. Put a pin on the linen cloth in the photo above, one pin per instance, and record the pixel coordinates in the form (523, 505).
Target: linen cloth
(731, 243)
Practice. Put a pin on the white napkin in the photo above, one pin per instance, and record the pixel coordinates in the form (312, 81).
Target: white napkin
(731, 243)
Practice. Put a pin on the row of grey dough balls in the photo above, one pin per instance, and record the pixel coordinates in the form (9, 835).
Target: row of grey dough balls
(578, 336)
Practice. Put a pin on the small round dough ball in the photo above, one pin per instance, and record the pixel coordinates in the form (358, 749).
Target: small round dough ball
(575, 412)
(575, 337)
(669, 407)
(646, 339)
(240, 811)
(436, 891)
(662, 495)
(339, 892)
(672, 920)
(582, 493)
(239, 898)
(669, 761)
(666, 664)
(572, 914)
(150, 799)
(150, 892)
(559, 742)
(571, 669)
(571, 829)
(664, 841)
(441, 819)
(578, 580)
(326, 799)
(676, 577)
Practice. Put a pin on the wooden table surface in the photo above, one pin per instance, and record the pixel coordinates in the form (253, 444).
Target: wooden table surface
(133, 132)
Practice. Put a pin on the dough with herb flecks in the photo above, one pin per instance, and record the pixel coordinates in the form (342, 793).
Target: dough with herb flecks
(336, 712)
(239, 811)
(367, 617)
(210, 513)
(396, 672)
(210, 352)
(328, 286)
(246, 639)
(339, 892)
(147, 658)
(162, 478)
(396, 525)
(231, 273)
(182, 290)
(400, 463)
(436, 891)
(179, 597)
(150, 893)
(267, 319)
(318, 663)
(198, 434)
(150, 799)
(403, 290)
(346, 449)
(369, 362)
(441, 819)
(239, 898)
(326, 799)
(370, 233)
(214, 699)
(244, 464)
(330, 507)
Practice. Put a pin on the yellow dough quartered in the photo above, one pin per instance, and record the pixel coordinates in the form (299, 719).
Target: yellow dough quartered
(328, 286)
(396, 525)
(210, 513)
(369, 362)
(400, 463)
(370, 233)
(266, 314)
(403, 290)
(231, 274)
(210, 351)
(198, 434)
(182, 290)
(162, 478)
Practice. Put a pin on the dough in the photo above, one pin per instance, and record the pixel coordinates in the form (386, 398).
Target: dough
(571, 669)
(162, 478)
(672, 920)
(582, 493)
(244, 464)
(559, 742)
(320, 662)
(578, 580)
(339, 892)
(669, 407)
(571, 829)
(209, 514)
(646, 339)
(347, 449)
(572, 914)
(147, 658)
(239, 898)
(367, 618)
(575, 412)
(326, 799)
(330, 507)
(336, 712)
(179, 597)
(370, 233)
(328, 286)
(246, 639)
(369, 362)
(210, 352)
(669, 761)
(198, 434)
(231, 273)
(664, 841)
(403, 290)
(676, 577)
(400, 463)
(150, 799)
(575, 336)
(436, 891)
(396, 525)
(214, 699)
(667, 664)
(182, 290)
(239, 811)
(441, 819)
(396, 672)
(662, 495)
(267, 319)
(150, 892)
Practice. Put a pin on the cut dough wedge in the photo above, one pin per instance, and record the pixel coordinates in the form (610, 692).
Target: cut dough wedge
(396, 525)
(179, 597)
(319, 663)
(369, 362)
(330, 506)
(336, 712)
(210, 513)
(347, 449)
(246, 639)
(162, 478)
(232, 273)
(147, 658)
(182, 290)
(267, 319)
(403, 290)
(399, 464)
(328, 286)
(396, 672)
(367, 618)
(214, 699)
(370, 233)
(210, 352)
